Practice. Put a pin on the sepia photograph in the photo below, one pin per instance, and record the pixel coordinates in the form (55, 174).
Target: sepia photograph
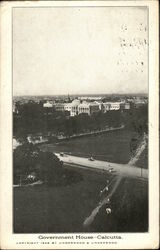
(80, 100)
(80, 119)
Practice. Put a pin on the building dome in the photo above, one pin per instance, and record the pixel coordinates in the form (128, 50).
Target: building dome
(76, 102)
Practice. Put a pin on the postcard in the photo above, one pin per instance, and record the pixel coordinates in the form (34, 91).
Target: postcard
(79, 125)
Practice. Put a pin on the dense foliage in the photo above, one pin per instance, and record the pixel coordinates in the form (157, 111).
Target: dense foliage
(31, 164)
(137, 119)
(33, 118)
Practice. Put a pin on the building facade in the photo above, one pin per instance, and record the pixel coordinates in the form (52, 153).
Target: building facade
(47, 105)
(106, 107)
(74, 107)
(94, 108)
(125, 105)
(115, 105)
(59, 107)
(84, 108)
(77, 106)
(68, 107)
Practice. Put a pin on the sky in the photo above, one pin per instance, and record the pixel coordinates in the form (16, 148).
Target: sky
(80, 50)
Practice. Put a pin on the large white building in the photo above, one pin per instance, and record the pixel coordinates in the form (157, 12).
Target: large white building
(88, 108)
(48, 104)
(68, 106)
(100, 104)
(77, 106)
(94, 108)
(74, 107)
(111, 106)
(106, 107)
(84, 108)
(115, 106)
(59, 107)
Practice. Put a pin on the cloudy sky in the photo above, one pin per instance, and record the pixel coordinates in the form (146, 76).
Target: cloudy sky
(80, 50)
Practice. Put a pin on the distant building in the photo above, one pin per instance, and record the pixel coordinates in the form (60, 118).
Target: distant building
(36, 139)
(90, 97)
(84, 108)
(131, 100)
(15, 143)
(15, 107)
(88, 108)
(59, 107)
(100, 104)
(74, 107)
(115, 105)
(47, 105)
(111, 106)
(94, 108)
(77, 107)
(139, 104)
(106, 107)
(125, 105)
(68, 107)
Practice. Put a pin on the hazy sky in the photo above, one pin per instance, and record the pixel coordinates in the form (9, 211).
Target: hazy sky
(80, 50)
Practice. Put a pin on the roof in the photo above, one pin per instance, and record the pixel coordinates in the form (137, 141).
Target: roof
(84, 105)
(76, 102)
(47, 105)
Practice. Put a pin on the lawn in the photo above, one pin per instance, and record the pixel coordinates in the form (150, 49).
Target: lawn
(129, 209)
(113, 146)
(56, 209)
(42, 209)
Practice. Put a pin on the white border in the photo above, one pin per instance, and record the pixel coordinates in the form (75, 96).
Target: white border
(129, 241)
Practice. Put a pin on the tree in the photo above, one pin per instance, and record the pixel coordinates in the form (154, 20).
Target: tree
(136, 119)
(49, 168)
(28, 158)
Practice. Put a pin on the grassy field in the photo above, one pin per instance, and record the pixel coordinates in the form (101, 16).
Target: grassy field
(113, 146)
(129, 209)
(41, 209)
(57, 209)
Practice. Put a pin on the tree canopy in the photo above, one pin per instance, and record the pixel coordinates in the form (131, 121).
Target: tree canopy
(28, 158)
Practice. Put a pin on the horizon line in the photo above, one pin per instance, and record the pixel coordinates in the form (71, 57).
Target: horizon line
(138, 93)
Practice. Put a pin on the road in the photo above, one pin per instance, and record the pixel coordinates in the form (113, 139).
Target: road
(113, 168)
(120, 170)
